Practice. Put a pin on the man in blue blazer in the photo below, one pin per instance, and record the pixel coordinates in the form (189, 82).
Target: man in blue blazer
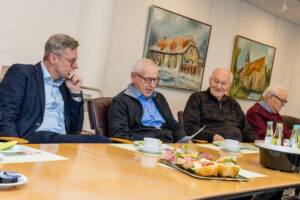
(43, 103)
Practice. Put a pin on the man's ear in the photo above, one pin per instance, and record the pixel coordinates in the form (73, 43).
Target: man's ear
(52, 58)
(132, 75)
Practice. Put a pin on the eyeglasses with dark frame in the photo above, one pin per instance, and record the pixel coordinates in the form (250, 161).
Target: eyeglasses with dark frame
(281, 100)
(148, 80)
(71, 61)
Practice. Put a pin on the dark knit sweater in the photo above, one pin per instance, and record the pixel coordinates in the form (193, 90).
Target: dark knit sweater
(257, 116)
(225, 118)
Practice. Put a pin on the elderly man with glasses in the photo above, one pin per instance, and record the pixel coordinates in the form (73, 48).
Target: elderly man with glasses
(139, 111)
(43, 103)
(275, 97)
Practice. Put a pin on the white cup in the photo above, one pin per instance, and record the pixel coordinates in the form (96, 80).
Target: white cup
(151, 143)
(232, 144)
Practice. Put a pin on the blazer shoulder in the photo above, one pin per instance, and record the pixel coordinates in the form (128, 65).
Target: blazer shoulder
(22, 68)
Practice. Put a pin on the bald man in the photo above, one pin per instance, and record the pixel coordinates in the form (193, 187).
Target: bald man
(275, 97)
(222, 115)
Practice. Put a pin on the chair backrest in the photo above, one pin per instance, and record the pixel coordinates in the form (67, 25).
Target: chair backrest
(290, 121)
(97, 110)
(180, 118)
(3, 71)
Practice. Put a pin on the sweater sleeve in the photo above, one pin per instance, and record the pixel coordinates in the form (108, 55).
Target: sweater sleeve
(192, 120)
(256, 120)
(118, 120)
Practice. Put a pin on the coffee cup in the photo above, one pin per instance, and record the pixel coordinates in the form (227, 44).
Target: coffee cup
(151, 143)
(232, 144)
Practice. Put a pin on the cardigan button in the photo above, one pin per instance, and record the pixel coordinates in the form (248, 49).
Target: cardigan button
(37, 124)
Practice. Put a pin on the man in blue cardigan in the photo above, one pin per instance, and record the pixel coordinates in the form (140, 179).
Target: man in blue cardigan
(43, 103)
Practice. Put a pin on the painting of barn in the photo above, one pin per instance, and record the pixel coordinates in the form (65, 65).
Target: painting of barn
(178, 45)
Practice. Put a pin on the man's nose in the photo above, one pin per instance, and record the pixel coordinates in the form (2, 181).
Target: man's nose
(75, 65)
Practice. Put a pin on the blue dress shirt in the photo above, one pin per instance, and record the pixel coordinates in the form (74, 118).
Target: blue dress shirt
(151, 115)
(54, 118)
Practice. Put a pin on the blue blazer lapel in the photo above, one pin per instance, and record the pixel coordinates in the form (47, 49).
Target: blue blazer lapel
(41, 87)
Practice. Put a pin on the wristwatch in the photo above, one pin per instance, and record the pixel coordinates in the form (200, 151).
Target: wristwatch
(76, 94)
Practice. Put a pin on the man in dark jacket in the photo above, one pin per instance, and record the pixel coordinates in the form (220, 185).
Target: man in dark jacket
(222, 115)
(43, 103)
(140, 111)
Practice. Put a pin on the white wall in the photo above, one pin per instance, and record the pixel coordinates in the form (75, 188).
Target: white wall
(293, 107)
(26, 25)
(112, 35)
(228, 19)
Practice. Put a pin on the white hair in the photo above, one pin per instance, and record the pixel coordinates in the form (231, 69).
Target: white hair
(144, 62)
(273, 89)
(223, 69)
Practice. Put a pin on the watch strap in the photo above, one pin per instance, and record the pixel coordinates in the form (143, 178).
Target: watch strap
(76, 94)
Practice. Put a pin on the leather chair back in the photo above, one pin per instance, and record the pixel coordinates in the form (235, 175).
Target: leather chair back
(97, 110)
(290, 121)
(180, 117)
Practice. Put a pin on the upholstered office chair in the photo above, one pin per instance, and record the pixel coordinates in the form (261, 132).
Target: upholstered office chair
(180, 117)
(290, 121)
(97, 110)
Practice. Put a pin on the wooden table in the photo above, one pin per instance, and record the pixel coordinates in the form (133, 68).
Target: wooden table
(102, 171)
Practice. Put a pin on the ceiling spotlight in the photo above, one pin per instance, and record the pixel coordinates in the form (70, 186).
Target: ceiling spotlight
(284, 7)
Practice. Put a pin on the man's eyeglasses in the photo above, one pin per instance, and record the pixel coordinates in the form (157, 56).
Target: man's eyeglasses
(71, 61)
(148, 80)
(281, 100)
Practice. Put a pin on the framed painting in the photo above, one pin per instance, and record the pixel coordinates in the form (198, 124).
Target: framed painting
(178, 45)
(251, 67)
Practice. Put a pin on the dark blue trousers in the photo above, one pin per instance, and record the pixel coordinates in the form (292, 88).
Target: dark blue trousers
(51, 137)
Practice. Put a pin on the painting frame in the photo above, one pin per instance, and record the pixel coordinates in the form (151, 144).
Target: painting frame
(180, 53)
(252, 66)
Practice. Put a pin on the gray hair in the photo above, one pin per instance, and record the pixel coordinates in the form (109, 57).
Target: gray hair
(59, 42)
(144, 62)
(273, 89)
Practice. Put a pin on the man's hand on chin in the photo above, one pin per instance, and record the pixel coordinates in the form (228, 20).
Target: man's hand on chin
(74, 82)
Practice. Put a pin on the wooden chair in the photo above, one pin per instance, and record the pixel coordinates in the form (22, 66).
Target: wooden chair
(97, 110)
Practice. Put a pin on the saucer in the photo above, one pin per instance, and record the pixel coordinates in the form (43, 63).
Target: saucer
(21, 180)
(231, 149)
(14, 149)
(151, 151)
(161, 146)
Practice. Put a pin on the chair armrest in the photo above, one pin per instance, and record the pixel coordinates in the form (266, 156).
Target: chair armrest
(199, 141)
(19, 140)
(120, 140)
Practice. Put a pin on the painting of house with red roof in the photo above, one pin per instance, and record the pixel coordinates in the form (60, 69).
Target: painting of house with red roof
(180, 53)
(252, 68)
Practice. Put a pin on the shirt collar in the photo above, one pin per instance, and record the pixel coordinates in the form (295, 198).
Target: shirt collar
(265, 106)
(139, 95)
(48, 78)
